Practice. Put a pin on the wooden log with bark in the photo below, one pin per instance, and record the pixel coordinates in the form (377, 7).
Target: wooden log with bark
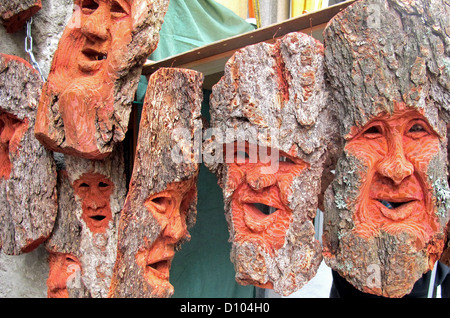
(15, 13)
(162, 198)
(386, 210)
(271, 138)
(83, 244)
(86, 102)
(28, 202)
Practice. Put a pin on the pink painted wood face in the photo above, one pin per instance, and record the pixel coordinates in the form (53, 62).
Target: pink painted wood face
(11, 132)
(169, 208)
(62, 268)
(95, 191)
(395, 195)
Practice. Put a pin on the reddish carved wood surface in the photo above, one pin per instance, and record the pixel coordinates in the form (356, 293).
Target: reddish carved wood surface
(28, 203)
(15, 13)
(387, 208)
(84, 241)
(161, 202)
(86, 102)
(272, 138)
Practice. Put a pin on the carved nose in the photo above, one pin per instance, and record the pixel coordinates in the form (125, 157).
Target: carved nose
(258, 180)
(175, 229)
(96, 26)
(395, 165)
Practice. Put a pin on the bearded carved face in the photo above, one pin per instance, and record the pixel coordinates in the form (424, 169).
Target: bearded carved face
(11, 132)
(260, 202)
(170, 209)
(396, 193)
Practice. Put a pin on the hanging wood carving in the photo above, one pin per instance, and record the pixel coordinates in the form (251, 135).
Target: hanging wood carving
(83, 244)
(387, 208)
(15, 13)
(270, 138)
(161, 203)
(28, 203)
(86, 102)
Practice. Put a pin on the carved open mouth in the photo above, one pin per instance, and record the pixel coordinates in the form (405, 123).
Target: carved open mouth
(97, 218)
(160, 268)
(394, 205)
(397, 210)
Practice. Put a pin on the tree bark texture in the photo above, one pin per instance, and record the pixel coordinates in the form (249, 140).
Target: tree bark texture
(380, 55)
(28, 202)
(168, 129)
(14, 14)
(91, 196)
(274, 95)
(87, 100)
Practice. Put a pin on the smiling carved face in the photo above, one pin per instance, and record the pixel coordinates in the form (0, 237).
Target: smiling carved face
(395, 195)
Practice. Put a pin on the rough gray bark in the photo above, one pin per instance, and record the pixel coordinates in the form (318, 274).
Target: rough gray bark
(14, 14)
(168, 128)
(28, 203)
(96, 251)
(379, 53)
(275, 96)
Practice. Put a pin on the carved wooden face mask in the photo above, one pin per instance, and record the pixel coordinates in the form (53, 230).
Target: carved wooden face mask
(386, 210)
(85, 108)
(162, 197)
(11, 132)
(28, 200)
(170, 208)
(267, 113)
(95, 191)
(395, 195)
(64, 270)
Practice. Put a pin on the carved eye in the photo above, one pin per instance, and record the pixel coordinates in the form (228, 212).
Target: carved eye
(117, 10)
(88, 6)
(84, 186)
(417, 130)
(373, 132)
(103, 186)
(161, 204)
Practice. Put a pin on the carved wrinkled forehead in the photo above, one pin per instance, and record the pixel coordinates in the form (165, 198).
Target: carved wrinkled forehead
(382, 52)
(275, 89)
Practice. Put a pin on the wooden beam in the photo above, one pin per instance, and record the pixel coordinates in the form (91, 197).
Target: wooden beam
(210, 59)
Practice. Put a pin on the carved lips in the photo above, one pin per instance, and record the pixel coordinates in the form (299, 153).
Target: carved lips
(91, 60)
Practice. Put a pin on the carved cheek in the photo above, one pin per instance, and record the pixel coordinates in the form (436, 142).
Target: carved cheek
(421, 152)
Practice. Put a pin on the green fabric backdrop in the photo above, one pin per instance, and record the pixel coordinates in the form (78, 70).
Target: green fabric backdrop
(202, 268)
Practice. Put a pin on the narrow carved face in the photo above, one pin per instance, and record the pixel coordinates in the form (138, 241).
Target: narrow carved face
(95, 190)
(261, 189)
(11, 132)
(169, 208)
(64, 269)
(395, 195)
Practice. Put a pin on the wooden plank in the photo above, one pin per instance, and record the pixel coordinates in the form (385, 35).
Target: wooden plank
(210, 59)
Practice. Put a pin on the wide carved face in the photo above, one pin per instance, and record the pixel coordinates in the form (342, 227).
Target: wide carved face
(169, 208)
(95, 190)
(260, 183)
(395, 195)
